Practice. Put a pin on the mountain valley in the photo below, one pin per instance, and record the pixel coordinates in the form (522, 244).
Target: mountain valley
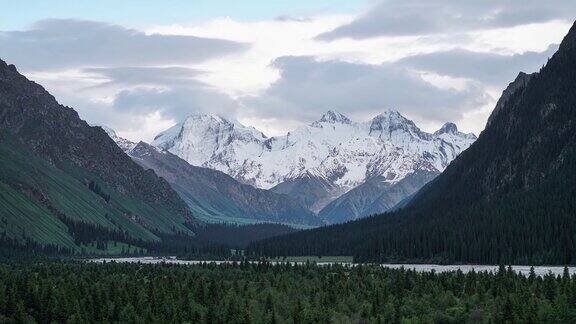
(509, 198)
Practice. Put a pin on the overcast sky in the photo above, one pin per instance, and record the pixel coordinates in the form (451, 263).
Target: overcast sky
(139, 66)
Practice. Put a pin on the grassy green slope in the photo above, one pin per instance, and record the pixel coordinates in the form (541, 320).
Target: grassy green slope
(33, 193)
(22, 217)
(132, 210)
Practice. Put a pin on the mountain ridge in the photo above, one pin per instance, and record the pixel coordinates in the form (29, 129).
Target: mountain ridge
(75, 176)
(57, 133)
(215, 196)
(333, 152)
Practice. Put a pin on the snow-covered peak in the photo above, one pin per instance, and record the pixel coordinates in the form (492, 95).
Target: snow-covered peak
(332, 117)
(334, 148)
(208, 119)
(202, 137)
(390, 120)
(448, 128)
(452, 129)
(391, 124)
(207, 124)
(123, 143)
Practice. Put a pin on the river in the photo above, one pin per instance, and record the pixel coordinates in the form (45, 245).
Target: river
(539, 270)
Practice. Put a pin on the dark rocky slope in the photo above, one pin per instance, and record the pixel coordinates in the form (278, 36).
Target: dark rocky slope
(55, 134)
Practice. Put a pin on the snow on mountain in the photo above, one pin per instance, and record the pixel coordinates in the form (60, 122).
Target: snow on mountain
(214, 196)
(212, 141)
(334, 148)
(123, 143)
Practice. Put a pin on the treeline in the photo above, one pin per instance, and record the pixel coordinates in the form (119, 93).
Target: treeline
(531, 227)
(211, 241)
(94, 187)
(14, 248)
(265, 293)
(84, 233)
(240, 235)
(175, 243)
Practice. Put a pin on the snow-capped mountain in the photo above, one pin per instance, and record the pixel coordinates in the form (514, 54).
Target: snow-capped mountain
(334, 150)
(204, 140)
(214, 196)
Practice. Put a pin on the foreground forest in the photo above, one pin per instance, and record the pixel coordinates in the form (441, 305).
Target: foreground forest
(72, 292)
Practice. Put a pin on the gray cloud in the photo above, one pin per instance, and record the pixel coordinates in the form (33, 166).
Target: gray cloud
(307, 87)
(422, 17)
(165, 76)
(54, 44)
(176, 103)
(174, 92)
(285, 18)
(490, 68)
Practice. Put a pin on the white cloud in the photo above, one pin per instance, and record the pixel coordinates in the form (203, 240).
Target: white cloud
(140, 92)
(252, 74)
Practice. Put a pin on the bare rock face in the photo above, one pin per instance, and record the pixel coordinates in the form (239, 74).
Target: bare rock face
(374, 196)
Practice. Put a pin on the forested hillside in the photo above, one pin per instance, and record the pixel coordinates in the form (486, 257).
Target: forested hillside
(508, 198)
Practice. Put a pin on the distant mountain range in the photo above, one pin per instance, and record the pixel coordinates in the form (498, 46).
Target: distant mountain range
(509, 198)
(214, 196)
(318, 163)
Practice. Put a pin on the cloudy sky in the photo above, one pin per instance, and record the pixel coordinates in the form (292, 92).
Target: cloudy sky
(139, 66)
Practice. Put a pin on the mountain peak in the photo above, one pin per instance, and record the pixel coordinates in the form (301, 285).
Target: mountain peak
(55, 134)
(333, 117)
(213, 118)
(569, 41)
(390, 121)
(447, 128)
(452, 129)
(392, 115)
(211, 121)
(6, 66)
(340, 151)
(515, 86)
